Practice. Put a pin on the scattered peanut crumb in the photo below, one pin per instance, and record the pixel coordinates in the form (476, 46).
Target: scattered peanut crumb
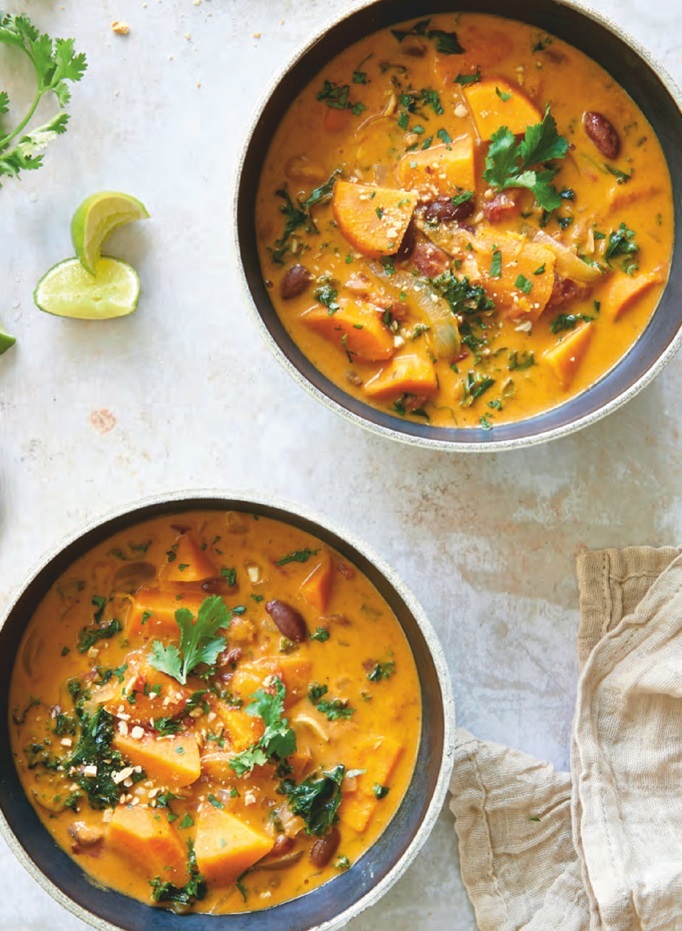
(460, 110)
(120, 28)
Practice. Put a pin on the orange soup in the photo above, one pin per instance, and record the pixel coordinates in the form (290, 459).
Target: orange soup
(464, 220)
(214, 712)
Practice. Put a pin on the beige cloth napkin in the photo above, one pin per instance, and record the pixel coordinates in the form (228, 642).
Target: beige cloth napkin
(600, 847)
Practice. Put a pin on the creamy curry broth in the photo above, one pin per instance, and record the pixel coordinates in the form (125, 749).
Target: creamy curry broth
(396, 130)
(167, 765)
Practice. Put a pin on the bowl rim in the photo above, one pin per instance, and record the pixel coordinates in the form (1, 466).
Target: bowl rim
(491, 444)
(288, 507)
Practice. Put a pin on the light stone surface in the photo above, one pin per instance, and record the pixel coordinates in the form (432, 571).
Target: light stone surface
(185, 394)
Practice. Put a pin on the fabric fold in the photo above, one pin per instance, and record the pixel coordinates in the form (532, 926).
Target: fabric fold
(600, 847)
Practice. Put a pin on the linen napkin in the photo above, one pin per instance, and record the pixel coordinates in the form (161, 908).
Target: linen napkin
(599, 847)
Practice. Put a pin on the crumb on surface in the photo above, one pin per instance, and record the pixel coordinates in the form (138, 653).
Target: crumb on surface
(120, 28)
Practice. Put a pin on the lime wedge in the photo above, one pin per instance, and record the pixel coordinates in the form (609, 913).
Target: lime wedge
(96, 217)
(6, 341)
(67, 290)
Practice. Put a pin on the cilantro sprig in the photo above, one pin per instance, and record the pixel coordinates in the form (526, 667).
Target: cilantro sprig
(55, 63)
(278, 740)
(511, 164)
(200, 641)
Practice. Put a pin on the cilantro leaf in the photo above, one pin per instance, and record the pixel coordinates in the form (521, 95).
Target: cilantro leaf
(55, 63)
(510, 164)
(621, 242)
(199, 640)
(278, 740)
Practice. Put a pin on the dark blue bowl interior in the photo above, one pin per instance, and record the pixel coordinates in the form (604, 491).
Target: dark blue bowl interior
(308, 911)
(629, 69)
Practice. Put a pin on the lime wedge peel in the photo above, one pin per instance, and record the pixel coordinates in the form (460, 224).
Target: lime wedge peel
(6, 341)
(68, 290)
(95, 219)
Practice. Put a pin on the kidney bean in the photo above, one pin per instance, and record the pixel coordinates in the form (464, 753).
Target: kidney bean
(501, 207)
(217, 587)
(565, 290)
(602, 133)
(296, 280)
(324, 848)
(430, 260)
(408, 242)
(443, 210)
(230, 657)
(287, 620)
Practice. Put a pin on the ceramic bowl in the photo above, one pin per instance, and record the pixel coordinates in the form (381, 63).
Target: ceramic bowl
(632, 68)
(327, 907)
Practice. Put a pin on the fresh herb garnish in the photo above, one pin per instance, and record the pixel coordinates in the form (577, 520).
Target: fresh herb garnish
(380, 791)
(278, 740)
(95, 749)
(55, 63)
(474, 386)
(297, 556)
(430, 98)
(463, 297)
(321, 635)
(323, 193)
(621, 242)
(335, 708)
(337, 96)
(316, 800)
(446, 42)
(381, 671)
(567, 322)
(90, 635)
(503, 95)
(518, 361)
(465, 79)
(195, 888)
(621, 176)
(523, 284)
(199, 641)
(230, 576)
(511, 164)
(496, 264)
(295, 215)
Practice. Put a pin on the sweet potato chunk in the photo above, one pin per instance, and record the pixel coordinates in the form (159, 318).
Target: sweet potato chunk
(373, 219)
(243, 729)
(378, 758)
(317, 587)
(406, 374)
(356, 328)
(622, 292)
(189, 564)
(439, 170)
(292, 670)
(225, 846)
(491, 108)
(519, 262)
(154, 692)
(153, 611)
(565, 358)
(170, 761)
(145, 837)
